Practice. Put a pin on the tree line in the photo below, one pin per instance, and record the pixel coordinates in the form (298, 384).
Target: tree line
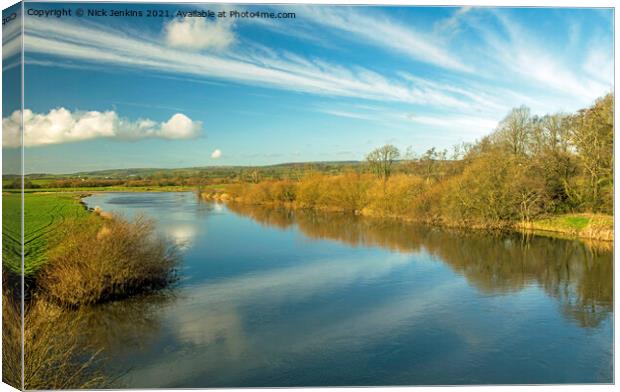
(529, 166)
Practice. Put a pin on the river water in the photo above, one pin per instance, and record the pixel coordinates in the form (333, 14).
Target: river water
(270, 297)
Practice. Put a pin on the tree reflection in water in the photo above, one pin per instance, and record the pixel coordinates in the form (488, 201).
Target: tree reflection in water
(579, 275)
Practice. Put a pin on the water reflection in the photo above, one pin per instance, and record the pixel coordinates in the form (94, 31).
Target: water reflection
(578, 275)
(119, 325)
(273, 297)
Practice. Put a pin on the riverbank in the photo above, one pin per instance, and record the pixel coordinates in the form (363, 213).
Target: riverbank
(43, 214)
(77, 255)
(587, 226)
(596, 227)
(45, 210)
(74, 258)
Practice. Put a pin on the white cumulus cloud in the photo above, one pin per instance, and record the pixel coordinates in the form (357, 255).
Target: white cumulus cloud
(197, 33)
(60, 125)
(179, 127)
(216, 154)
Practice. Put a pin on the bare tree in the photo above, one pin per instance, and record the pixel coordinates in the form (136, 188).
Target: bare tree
(514, 130)
(592, 134)
(382, 159)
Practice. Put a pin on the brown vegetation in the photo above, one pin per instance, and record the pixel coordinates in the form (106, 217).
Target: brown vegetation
(153, 181)
(579, 275)
(90, 259)
(55, 357)
(96, 261)
(11, 339)
(530, 167)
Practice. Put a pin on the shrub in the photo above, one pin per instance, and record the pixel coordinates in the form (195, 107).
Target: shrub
(283, 191)
(100, 260)
(350, 191)
(11, 338)
(396, 196)
(309, 190)
(259, 193)
(55, 356)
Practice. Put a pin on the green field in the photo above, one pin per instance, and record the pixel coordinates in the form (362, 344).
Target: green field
(42, 213)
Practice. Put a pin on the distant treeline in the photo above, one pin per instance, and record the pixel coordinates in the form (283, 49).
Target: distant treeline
(196, 177)
(68, 183)
(149, 182)
(528, 167)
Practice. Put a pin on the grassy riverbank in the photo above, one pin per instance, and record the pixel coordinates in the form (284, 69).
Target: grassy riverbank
(596, 227)
(45, 210)
(66, 246)
(43, 214)
(73, 259)
(588, 226)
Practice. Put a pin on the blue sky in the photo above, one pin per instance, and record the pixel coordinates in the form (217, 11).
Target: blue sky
(331, 84)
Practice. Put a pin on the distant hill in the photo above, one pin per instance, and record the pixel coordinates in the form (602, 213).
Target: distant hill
(201, 171)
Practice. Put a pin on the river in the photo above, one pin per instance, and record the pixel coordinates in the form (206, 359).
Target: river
(270, 297)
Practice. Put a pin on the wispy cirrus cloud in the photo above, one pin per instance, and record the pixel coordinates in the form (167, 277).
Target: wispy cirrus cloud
(453, 24)
(498, 51)
(11, 45)
(64, 126)
(468, 126)
(388, 34)
(599, 63)
(465, 125)
(198, 33)
(504, 64)
(276, 69)
(517, 51)
(348, 114)
(513, 67)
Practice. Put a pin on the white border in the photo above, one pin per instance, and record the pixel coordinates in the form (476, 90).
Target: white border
(488, 3)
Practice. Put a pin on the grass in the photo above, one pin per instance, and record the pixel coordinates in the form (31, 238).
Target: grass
(11, 339)
(565, 222)
(75, 258)
(43, 214)
(45, 210)
(594, 226)
(11, 232)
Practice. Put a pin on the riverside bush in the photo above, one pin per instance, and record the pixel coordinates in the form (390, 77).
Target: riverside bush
(529, 167)
(55, 356)
(97, 260)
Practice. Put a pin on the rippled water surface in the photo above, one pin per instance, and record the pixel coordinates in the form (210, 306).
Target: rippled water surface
(269, 297)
